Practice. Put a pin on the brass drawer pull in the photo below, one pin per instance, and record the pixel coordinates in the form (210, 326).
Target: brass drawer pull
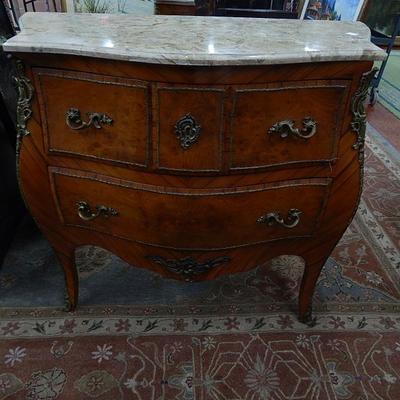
(85, 212)
(188, 267)
(73, 119)
(286, 128)
(187, 131)
(293, 218)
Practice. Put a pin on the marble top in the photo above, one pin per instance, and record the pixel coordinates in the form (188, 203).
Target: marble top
(194, 40)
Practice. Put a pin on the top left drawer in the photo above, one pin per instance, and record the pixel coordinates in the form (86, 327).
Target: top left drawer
(94, 116)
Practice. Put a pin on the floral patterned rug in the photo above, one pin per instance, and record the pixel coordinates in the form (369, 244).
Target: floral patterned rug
(137, 336)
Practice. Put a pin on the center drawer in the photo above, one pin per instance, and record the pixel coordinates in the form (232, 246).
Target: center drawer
(183, 218)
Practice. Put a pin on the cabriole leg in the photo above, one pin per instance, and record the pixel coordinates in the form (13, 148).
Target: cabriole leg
(66, 256)
(312, 270)
(71, 280)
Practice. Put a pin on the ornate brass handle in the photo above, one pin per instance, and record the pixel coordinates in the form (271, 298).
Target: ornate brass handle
(187, 131)
(286, 128)
(188, 267)
(74, 121)
(293, 218)
(85, 212)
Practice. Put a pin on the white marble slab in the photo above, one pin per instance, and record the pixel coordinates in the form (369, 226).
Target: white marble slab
(187, 40)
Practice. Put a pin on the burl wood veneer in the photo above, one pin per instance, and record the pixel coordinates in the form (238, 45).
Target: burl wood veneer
(192, 171)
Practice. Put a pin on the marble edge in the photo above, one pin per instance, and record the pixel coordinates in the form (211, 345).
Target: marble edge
(202, 59)
(22, 44)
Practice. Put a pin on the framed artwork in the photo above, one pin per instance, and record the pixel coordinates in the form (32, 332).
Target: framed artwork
(291, 6)
(334, 10)
(380, 15)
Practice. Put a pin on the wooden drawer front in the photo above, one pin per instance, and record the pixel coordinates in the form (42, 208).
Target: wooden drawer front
(255, 111)
(125, 101)
(189, 218)
(182, 109)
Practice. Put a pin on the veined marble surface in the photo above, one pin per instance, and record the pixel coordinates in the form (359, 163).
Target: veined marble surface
(187, 40)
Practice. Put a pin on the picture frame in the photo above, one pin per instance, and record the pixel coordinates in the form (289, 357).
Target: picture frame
(291, 6)
(334, 10)
(381, 17)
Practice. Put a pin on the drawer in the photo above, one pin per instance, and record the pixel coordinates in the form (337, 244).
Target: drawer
(182, 218)
(294, 122)
(117, 128)
(190, 124)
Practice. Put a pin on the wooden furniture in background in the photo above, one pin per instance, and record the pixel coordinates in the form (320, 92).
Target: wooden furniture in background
(175, 7)
(192, 171)
(253, 8)
(11, 206)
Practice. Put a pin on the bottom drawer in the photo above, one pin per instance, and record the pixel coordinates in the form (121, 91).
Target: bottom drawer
(183, 218)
